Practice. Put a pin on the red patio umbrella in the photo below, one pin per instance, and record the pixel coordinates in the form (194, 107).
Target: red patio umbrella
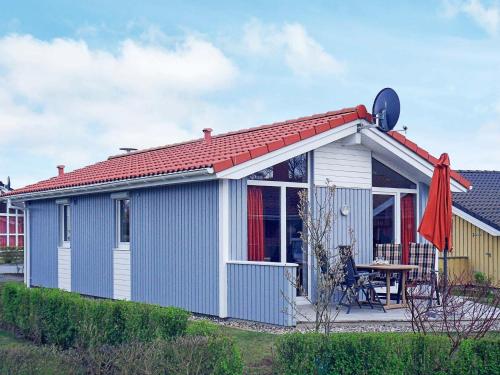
(436, 222)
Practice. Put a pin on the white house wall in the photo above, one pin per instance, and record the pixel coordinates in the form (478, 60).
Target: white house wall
(343, 166)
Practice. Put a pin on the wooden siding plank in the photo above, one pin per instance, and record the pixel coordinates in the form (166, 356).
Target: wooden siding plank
(175, 246)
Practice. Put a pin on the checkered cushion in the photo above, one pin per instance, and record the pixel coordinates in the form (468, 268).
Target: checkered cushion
(424, 256)
(389, 251)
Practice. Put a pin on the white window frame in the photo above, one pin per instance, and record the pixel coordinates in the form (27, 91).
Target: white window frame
(283, 186)
(16, 215)
(120, 245)
(396, 192)
(64, 244)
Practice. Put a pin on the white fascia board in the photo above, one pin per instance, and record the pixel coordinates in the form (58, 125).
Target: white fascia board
(251, 166)
(407, 155)
(133, 183)
(474, 221)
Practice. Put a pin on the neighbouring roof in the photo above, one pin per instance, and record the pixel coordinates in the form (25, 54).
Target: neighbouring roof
(483, 201)
(223, 152)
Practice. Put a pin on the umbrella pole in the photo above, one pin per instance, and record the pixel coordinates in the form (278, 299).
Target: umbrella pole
(445, 264)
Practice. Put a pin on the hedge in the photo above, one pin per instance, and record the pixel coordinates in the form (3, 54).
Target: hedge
(383, 353)
(52, 316)
(182, 355)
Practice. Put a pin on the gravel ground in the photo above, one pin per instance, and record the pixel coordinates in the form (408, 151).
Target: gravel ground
(305, 327)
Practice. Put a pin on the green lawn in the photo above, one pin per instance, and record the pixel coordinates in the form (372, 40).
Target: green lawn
(256, 349)
(7, 338)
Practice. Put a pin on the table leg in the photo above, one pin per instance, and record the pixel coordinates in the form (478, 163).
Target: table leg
(388, 288)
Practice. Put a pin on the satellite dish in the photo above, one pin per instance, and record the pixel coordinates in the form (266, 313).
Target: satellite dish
(386, 109)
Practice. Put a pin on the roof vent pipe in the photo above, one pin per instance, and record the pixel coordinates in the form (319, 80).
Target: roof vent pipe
(60, 170)
(208, 135)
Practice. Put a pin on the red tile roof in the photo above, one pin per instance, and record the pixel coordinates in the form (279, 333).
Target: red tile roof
(424, 154)
(223, 152)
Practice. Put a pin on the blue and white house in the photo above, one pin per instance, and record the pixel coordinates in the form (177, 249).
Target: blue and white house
(212, 225)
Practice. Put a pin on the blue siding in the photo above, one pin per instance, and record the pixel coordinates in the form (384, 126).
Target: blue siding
(255, 292)
(238, 219)
(44, 237)
(359, 220)
(175, 246)
(92, 245)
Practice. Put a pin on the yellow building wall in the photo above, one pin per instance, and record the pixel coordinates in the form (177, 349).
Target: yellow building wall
(482, 250)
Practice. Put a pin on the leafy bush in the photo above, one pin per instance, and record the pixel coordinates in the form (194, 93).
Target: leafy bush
(52, 316)
(382, 353)
(480, 357)
(201, 328)
(183, 355)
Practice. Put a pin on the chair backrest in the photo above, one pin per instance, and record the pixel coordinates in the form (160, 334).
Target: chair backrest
(422, 255)
(350, 273)
(389, 251)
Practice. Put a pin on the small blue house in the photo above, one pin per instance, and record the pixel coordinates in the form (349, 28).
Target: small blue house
(211, 225)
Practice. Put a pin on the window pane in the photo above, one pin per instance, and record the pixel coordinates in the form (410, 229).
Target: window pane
(383, 219)
(3, 207)
(125, 220)
(294, 251)
(383, 176)
(408, 224)
(12, 224)
(12, 241)
(264, 241)
(20, 224)
(20, 241)
(66, 223)
(3, 241)
(3, 224)
(291, 170)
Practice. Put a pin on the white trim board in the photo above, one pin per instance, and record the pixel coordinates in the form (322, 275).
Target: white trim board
(474, 221)
(287, 152)
(223, 245)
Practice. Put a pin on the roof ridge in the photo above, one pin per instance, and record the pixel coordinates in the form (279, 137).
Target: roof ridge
(241, 131)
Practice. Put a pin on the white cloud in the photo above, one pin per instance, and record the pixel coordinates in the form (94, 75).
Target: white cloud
(485, 16)
(71, 104)
(303, 55)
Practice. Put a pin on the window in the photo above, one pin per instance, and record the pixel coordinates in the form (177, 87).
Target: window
(123, 223)
(291, 170)
(65, 223)
(394, 208)
(11, 226)
(383, 176)
(273, 221)
(264, 224)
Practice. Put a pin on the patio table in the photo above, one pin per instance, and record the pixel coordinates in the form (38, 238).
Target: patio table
(388, 269)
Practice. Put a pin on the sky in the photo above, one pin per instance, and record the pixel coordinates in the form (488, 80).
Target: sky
(80, 79)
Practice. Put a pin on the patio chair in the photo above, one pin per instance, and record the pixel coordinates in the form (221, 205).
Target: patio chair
(390, 252)
(356, 282)
(424, 256)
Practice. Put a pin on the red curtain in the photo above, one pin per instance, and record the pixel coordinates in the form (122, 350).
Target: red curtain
(408, 227)
(255, 224)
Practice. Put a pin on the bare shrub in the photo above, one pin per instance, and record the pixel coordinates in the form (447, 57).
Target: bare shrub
(467, 310)
(318, 218)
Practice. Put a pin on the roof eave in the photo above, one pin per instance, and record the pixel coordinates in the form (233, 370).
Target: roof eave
(195, 175)
(476, 220)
